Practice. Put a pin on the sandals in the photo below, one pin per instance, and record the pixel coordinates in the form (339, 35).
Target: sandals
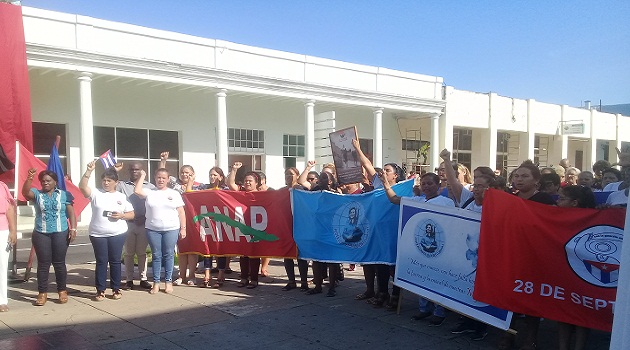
(191, 282)
(100, 296)
(177, 282)
(289, 286)
(364, 296)
(219, 283)
(242, 283)
(63, 296)
(117, 295)
(206, 284)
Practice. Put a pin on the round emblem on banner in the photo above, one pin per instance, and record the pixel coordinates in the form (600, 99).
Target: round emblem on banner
(350, 226)
(594, 254)
(429, 237)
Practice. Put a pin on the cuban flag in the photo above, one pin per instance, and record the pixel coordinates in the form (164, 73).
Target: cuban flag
(107, 159)
(603, 271)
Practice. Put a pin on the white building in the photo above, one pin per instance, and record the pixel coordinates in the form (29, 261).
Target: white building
(140, 91)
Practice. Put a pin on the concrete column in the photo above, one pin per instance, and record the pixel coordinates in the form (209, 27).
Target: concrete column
(491, 142)
(309, 111)
(435, 141)
(591, 151)
(446, 124)
(378, 138)
(87, 131)
(531, 133)
(564, 153)
(614, 158)
(222, 131)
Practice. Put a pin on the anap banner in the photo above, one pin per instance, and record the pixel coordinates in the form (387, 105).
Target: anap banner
(551, 262)
(437, 259)
(351, 228)
(229, 223)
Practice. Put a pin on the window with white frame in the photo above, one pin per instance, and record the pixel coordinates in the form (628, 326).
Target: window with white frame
(293, 145)
(143, 145)
(246, 140)
(462, 146)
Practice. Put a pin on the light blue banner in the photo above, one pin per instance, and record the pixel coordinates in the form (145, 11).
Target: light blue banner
(363, 228)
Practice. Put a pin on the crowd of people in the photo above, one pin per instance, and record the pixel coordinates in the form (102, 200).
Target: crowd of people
(129, 215)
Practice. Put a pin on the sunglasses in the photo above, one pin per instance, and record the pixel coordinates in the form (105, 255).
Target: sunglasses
(311, 179)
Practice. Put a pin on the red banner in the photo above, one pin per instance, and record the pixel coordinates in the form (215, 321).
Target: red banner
(229, 223)
(27, 161)
(15, 100)
(551, 262)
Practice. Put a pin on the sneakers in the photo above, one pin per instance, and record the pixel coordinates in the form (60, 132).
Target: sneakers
(462, 328)
(145, 284)
(421, 316)
(478, 335)
(436, 321)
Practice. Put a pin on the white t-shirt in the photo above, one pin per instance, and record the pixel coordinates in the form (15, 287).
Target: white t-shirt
(102, 226)
(617, 198)
(465, 196)
(439, 200)
(612, 187)
(162, 209)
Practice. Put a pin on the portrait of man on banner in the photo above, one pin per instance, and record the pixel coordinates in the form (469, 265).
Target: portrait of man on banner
(346, 159)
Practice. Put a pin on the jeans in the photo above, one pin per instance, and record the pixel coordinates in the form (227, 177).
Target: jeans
(427, 305)
(51, 248)
(108, 250)
(136, 244)
(163, 251)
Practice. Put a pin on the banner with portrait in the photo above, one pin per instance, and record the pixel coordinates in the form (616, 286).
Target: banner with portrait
(351, 228)
(437, 259)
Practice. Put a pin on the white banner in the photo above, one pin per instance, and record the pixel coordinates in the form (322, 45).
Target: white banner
(437, 259)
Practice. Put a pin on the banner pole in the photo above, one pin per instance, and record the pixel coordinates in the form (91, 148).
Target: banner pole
(16, 170)
(620, 337)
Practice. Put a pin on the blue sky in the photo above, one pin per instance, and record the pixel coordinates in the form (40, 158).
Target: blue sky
(560, 52)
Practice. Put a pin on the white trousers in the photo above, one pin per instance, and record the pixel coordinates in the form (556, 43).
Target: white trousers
(4, 266)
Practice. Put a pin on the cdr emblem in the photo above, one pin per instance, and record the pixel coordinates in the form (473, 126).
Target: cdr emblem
(594, 254)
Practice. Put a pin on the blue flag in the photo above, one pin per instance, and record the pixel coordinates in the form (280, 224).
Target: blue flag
(362, 228)
(54, 165)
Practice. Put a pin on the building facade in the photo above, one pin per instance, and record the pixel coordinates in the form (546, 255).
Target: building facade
(140, 91)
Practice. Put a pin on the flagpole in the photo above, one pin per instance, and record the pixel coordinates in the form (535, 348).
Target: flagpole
(620, 337)
(16, 170)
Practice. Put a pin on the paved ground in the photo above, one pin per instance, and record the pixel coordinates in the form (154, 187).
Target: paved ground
(231, 317)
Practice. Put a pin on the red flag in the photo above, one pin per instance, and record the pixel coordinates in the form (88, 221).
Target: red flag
(551, 262)
(15, 103)
(256, 224)
(27, 161)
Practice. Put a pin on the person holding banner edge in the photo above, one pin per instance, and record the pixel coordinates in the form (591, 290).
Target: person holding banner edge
(249, 266)
(55, 228)
(8, 230)
(291, 176)
(469, 200)
(390, 175)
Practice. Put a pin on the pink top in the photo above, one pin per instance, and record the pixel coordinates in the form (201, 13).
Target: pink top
(6, 199)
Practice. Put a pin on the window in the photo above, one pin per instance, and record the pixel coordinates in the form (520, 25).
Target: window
(367, 146)
(503, 139)
(44, 135)
(142, 145)
(293, 145)
(462, 146)
(246, 140)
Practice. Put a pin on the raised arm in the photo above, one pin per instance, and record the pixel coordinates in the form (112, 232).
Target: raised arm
(232, 176)
(83, 184)
(451, 176)
(26, 187)
(365, 162)
(302, 179)
(389, 191)
(139, 190)
(163, 158)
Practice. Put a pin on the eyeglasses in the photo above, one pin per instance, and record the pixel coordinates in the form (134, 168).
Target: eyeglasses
(311, 179)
